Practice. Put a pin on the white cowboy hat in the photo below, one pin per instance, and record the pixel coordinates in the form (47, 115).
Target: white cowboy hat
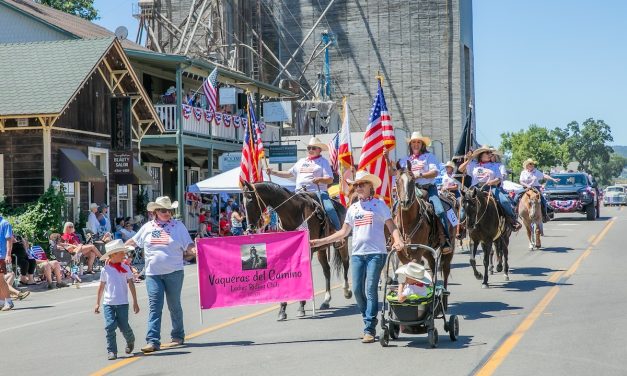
(315, 141)
(528, 162)
(418, 136)
(450, 164)
(482, 149)
(115, 246)
(414, 271)
(365, 176)
(162, 202)
(497, 152)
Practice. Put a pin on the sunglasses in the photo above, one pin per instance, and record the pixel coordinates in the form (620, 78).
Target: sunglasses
(162, 211)
(312, 148)
(359, 185)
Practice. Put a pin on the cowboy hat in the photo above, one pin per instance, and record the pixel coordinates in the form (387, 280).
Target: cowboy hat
(528, 162)
(162, 202)
(496, 151)
(414, 271)
(482, 149)
(315, 141)
(115, 246)
(450, 164)
(365, 176)
(418, 136)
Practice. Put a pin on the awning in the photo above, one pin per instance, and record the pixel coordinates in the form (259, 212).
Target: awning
(74, 166)
(139, 176)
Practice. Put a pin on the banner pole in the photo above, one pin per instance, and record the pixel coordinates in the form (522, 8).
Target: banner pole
(313, 292)
(199, 281)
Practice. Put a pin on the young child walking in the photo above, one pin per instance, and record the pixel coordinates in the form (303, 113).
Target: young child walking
(114, 278)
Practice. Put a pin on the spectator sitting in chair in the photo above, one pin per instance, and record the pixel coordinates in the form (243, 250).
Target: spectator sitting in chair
(24, 260)
(47, 266)
(73, 245)
(127, 232)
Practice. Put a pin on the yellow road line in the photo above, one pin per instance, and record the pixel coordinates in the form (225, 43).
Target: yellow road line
(124, 362)
(510, 342)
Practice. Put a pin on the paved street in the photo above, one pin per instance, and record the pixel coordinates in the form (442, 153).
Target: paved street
(562, 312)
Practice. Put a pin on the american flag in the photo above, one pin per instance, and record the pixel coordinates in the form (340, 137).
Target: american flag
(389, 140)
(209, 87)
(159, 237)
(334, 147)
(371, 158)
(345, 157)
(252, 150)
(363, 219)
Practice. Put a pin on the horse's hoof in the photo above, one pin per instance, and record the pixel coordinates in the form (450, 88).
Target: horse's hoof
(301, 313)
(506, 277)
(491, 269)
(479, 276)
(484, 286)
(499, 268)
(282, 316)
(348, 294)
(324, 305)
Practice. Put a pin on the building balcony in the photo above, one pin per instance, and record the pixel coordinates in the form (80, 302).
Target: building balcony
(197, 122)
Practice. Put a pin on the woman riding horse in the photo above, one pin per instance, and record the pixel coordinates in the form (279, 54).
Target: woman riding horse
(530, 178)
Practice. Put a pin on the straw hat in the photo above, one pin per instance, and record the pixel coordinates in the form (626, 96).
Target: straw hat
(115, 246)
(419, 136)
(414, 271)
(482, 149)
(528, 162)
(365, 176)
(315, 141)
(162, 202)
(450, 164)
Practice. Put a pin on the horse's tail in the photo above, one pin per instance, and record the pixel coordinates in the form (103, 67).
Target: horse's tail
(337, 264)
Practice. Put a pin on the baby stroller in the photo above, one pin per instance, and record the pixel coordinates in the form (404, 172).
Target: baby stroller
(416, 316)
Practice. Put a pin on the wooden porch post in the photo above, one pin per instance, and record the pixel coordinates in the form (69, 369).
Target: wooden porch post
(47, 156)
(180, 192)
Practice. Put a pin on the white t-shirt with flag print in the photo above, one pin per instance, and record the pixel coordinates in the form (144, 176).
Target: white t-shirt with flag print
(367, 219)
(163, 246)
(422, 164)
(305, 170)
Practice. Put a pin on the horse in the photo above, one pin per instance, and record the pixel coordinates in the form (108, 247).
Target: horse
(418, 224)
(530, 211)
(293, 209)
(485, 223)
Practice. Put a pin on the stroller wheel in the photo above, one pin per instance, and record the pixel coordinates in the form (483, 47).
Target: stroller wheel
(453, 326)
(395, 330)
(384, 339)
(432, 337)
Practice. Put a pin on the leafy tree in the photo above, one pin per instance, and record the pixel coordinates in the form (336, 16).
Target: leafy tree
(82, 8)
(537, 143)
(605, 173)
(586, 144)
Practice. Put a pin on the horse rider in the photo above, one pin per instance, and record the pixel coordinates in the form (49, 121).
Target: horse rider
(449, 183)
(424, 167)
(530, 177)
(313, 174)
(486, 173)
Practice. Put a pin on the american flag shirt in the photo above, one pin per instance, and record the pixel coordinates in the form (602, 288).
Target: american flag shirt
(367, 219)
(483, 172)
(305, 170)
(423, 163)
(163, 244)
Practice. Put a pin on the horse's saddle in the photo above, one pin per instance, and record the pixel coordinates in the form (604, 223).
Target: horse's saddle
(449, 201)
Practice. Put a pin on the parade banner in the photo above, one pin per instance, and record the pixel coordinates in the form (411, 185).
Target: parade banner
(254, 269)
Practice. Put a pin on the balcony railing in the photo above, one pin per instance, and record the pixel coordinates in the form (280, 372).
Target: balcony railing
(196, 123)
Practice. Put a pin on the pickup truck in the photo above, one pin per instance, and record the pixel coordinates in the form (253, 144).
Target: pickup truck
(573, 192)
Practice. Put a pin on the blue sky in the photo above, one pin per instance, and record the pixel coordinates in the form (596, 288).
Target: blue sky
(536, 61)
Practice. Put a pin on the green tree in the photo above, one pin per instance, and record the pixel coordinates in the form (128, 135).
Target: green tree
(586, 144)
(537, 143)
(605, 173)
(82, 8)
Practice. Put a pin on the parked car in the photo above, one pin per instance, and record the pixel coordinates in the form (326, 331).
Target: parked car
(615, 195)
(574, 192)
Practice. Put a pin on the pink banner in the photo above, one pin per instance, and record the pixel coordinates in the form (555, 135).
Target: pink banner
(254, 269)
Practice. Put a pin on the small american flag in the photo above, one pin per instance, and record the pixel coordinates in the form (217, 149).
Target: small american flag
(371, 158)
(159, 237)
(334, 147)
(363, 219)
(209, 87)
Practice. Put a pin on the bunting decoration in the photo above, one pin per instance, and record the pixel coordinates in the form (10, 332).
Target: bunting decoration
(218, 118)
(186, 110)
(227, 120)
(198, 113)
(237, 121)
(209, 116)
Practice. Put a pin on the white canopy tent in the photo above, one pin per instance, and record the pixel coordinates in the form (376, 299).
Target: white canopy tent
(228, 182)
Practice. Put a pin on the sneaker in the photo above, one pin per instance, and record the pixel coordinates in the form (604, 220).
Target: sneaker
(367, 338)
(150, 348)
(22, 295)
(49, 286)
(7, 307)
(129, 347)
(177, 342)
(112, 356)
(61, 284)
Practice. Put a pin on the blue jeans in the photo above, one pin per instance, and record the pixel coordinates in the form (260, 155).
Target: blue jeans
(505, 202)
(366, 274)
(171, 285)
(329, 209)
(434, 199)
(236, 231)
(116, 316)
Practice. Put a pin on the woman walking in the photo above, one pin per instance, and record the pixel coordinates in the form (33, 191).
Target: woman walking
(367, 219)
(166, 242)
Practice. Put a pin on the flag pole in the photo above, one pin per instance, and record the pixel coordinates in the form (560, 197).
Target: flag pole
(250, 127)
(468, 141)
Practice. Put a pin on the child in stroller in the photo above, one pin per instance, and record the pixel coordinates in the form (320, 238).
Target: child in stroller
(415, 282)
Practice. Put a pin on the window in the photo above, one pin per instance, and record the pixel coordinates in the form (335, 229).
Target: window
(99, 192)
(155, 172)
(124, 201)
(71, 203)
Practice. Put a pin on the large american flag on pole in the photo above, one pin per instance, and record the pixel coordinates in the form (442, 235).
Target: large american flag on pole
(372, 159)
(252, 150)
(345, 157)
(334, 147)
(210, 88)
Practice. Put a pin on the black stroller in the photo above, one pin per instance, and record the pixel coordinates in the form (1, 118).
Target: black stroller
(416, 316)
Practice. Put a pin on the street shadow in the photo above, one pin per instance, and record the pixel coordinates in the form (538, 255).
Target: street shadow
(478, 310)
(165, 352)
(525, 286)
(31, 308)
(251, 343)
(534, 271)
(444, 342)
(555, 249)
(460, 265)
(331, 312)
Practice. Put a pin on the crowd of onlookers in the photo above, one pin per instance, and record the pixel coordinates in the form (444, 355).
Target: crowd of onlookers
(226, 220)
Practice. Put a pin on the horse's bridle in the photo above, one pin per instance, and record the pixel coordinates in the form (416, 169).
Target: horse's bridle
(477, 204)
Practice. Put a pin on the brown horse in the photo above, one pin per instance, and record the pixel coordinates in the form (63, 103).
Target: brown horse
(418, 224)
(293, 209)
(530, 211)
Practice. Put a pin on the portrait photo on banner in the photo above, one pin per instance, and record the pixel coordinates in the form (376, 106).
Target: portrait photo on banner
(254, 256)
